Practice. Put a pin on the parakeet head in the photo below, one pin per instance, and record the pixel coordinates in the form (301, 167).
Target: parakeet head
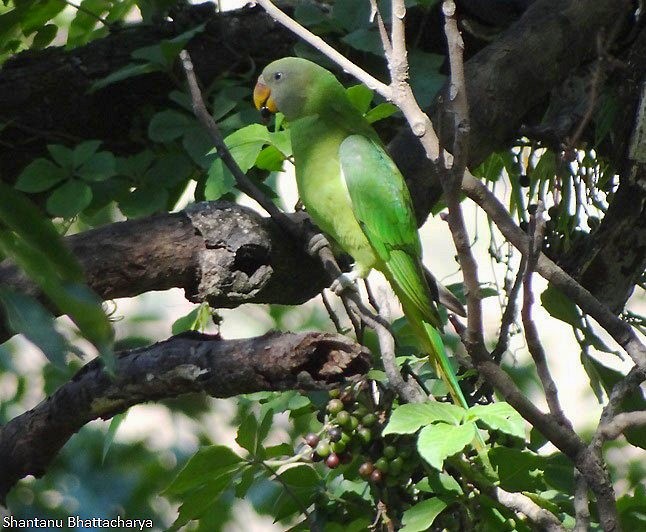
(296, 87)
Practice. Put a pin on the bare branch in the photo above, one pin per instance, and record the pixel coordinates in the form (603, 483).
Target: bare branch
(621, 422)
(451, 179)
(520, 503)
(581, 508)
(509, 315)
(187, 363)
(325, 48)
(536, 233)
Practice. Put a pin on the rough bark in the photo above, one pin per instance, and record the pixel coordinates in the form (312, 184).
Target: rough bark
(183, 364)
(219, 252)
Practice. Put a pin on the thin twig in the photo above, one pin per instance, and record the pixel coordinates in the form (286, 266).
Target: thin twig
(509, 315)
(332, 314)
(534, 345)
(323, 47)
(85, 10)
(371, 297)
(621, 422)
(383, 33)
(451, 179)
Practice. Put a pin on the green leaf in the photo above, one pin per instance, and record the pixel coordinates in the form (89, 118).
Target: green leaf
(25, 315)
(39, 175)
(188, 322)
(22, 216)
(351, 15)
(425, 77)
(264, 427)
(500, 416)
(209, 463)
(437, 442)
(170, 170)
(164, 53)
(558, 472)
(129, 71)
(37, 14)
(308, 14)
(364, 40)
(518, 470)
(197, 501)
(381, 111)
(421, 516)
(71, 297)
(559, 306)
(440, 483)
(270, 158)
(84, 151)
(44, 36)
(408, 418)
(247, 431)
(115, 423)
(69, 199)
(62, 155)
(146, 200)
(219, 181)
(98, 167)
(81, 28)
(199, 146)
(302, 483)
(360, 96)
(168, 125)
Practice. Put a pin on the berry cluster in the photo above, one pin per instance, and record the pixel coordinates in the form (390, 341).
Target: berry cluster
(351, 430)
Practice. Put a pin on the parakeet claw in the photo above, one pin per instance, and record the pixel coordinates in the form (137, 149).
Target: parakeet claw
(316, 243)
(345, 281)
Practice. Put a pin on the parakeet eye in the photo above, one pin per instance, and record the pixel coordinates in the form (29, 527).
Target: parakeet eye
(278, 76)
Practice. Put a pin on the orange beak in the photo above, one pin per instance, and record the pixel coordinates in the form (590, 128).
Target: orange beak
(262, 97)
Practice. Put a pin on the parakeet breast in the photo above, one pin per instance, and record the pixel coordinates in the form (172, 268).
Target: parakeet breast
(322, 190)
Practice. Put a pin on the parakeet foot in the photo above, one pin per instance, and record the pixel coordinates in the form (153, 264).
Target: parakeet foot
(345, 281)
(316, 243)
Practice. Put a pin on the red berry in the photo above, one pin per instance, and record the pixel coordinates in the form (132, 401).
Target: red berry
(376, 476)
(366, 469)
(332, 461)
(312, 439)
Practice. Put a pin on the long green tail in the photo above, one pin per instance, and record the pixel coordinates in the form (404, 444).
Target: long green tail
(433, 345)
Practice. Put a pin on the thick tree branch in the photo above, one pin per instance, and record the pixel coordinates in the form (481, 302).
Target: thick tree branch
(217, 252)
(183, 364)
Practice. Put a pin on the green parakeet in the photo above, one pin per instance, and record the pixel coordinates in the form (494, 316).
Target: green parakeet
(354, 192)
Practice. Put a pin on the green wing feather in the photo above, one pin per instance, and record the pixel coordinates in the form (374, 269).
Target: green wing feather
(382, 205)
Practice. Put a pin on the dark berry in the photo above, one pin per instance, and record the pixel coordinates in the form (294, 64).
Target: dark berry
(366, 469)
(376, 476)
(312, 439)
(335, 433)
(332, 461)
(524, 180)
